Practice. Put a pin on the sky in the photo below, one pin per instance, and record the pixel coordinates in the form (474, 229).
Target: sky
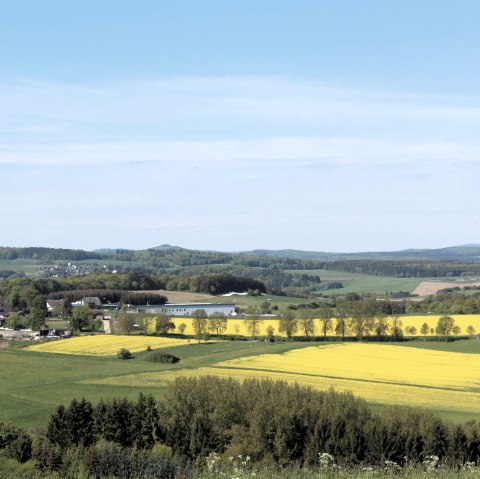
(325, 125)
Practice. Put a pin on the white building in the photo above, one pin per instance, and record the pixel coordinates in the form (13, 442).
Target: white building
(187, 309)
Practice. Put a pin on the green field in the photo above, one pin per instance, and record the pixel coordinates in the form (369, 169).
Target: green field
(363, 283)
(245, 301)
(466, 346)
(21, 265)
(34, 383)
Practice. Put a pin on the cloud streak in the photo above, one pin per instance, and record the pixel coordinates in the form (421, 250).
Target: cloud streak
(181, 107)
(294, 151)
(222, 162)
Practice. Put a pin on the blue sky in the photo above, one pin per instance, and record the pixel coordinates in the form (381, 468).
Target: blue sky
(322, 125)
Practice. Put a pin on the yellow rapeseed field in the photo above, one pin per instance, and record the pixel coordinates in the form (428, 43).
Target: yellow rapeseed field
(236, 327)
(105, 345)
(381, 374)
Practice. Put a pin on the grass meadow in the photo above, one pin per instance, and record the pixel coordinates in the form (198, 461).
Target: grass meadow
(438, 376)
(363, 283)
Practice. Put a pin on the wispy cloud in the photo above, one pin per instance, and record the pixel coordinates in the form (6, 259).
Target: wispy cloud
(244, 107)
(231, 119)
(223, 162)
(294, 151)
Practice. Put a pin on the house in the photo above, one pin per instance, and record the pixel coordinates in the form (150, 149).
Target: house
(55, 306)
(91, 301)
(187, 309)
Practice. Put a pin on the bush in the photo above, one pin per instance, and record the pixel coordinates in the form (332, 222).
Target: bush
(124, 354)
(20, 449)
(112, 460)
(15, 443)
(165, 358)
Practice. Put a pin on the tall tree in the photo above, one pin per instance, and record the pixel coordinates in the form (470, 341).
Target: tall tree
(200, 324)
(425, 329)
(396, 330)
(470, 331)
(381, 326)
(362, 318)
(126, 322)
(163, 324)
(445, 326)
(288, 323)
(217, 323)
(326, 322)
(307, 322)
(81, 317)
(253, 321)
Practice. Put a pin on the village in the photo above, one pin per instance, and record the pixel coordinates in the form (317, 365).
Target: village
(104, 316)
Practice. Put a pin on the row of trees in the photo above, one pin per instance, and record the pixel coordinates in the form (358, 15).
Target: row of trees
(361, 322)
(271, 422)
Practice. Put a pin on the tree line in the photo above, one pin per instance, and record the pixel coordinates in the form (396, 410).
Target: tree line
(212, 283)
(110, 296)
(46, 254)
(360, 321)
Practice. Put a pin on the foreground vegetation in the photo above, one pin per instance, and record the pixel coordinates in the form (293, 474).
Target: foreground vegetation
(10, 469)
(218, 425)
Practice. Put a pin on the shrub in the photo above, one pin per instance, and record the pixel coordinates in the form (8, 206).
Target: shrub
(124, 354)
(160, 357)
(20, 449)
(112, 460)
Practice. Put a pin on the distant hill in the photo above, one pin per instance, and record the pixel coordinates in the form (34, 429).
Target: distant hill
(168, 247)
(469, 253)
(465, 253)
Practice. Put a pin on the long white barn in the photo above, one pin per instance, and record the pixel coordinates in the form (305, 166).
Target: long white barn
(187, 309)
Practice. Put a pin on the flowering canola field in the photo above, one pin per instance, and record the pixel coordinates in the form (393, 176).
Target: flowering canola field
(383, 374)
(236, 327)
(105, 345)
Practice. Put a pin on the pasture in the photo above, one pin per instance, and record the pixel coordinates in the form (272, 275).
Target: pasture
(33, 383)
(35, 379)
(362, 283)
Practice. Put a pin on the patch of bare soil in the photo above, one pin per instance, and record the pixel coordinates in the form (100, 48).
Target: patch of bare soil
(3, 344)
(431, 287)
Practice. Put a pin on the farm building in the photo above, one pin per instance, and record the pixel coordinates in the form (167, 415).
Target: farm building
(56, 332)
(90, 301)
(5, 309)
(55, 306)
(187, 309)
